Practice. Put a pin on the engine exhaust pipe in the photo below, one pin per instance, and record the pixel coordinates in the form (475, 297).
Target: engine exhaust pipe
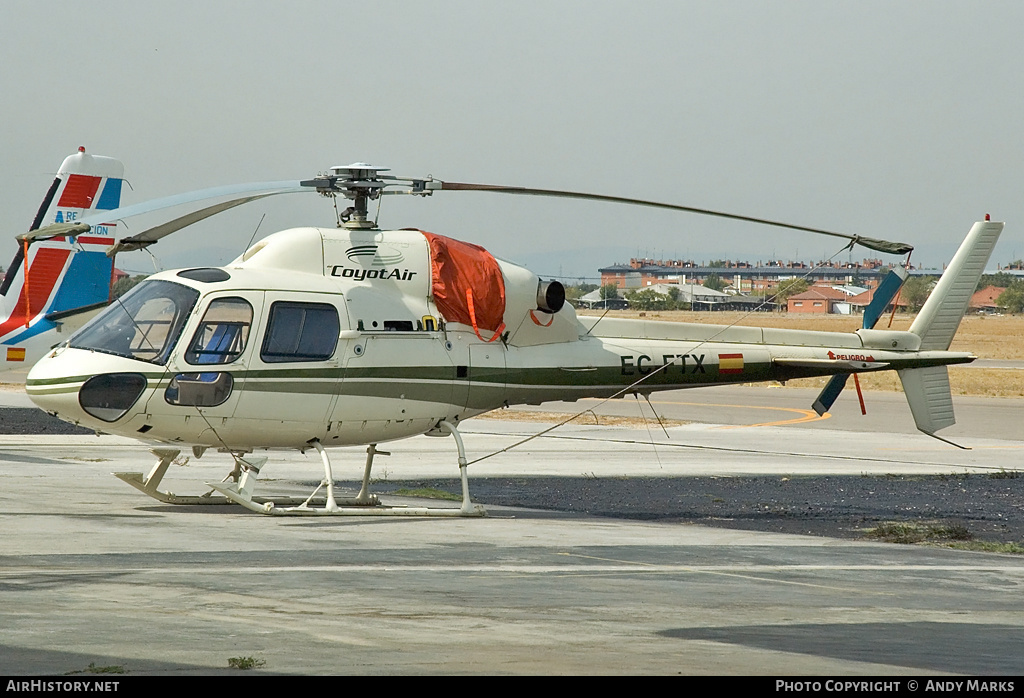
(550, 296)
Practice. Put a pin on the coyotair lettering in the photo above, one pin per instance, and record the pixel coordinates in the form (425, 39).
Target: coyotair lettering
(364, 274)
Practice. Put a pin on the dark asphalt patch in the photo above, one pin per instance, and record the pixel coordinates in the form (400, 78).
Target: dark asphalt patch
(29, 420)
(990, 507)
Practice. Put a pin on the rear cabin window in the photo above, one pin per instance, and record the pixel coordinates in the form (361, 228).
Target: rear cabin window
(300, 332)
(223, 333)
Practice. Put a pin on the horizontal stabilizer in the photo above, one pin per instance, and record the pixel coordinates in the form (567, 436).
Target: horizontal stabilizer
(927, 391)
(834, 364)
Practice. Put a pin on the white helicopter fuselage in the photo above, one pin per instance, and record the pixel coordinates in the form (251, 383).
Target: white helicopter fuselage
(336, 335)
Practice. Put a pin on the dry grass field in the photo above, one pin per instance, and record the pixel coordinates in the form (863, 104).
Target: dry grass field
(987, 337)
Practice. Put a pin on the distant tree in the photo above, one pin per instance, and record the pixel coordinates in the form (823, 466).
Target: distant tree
(789, 287)
(1012, 298)
(1000, 280)
(715, 282)
(577, 291)
(647, 299)
(125, 284)
(674, 300)
(718, 263)
(609, 291)
(916, 291)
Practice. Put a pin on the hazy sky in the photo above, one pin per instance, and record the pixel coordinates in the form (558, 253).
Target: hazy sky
(889, 119)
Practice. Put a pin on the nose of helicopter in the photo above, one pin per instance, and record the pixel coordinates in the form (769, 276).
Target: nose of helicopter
(79, 386)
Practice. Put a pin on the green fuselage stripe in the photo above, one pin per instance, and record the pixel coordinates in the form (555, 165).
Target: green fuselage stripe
(487, 386)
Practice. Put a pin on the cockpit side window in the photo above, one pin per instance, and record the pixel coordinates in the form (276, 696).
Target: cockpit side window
(143, 324)
(222, 334)
(300, 332)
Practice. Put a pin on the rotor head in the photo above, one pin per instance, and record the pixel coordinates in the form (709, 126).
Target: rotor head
(361, 182)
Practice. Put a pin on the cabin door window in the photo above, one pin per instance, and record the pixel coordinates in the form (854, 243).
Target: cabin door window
(300, 332)
(222, 334)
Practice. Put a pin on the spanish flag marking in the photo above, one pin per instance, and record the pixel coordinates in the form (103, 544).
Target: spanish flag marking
(730, 363)
(15, 354)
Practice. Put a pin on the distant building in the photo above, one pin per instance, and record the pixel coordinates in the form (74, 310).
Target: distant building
(594, 300)
(861, 301)
(701, 298)
(852, 291)
(984, 301)
(695, 294)
(819, 299)
(745, 277)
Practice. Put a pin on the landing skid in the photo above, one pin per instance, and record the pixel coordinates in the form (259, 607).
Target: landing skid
(150, 483)
(247, 471)
(364, 504)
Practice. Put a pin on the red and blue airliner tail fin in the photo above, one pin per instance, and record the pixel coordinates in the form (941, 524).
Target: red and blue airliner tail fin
(62, 275)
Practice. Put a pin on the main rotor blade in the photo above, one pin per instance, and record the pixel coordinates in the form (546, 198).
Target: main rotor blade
(53, 230)
(148, 237)
(871, 243)
(84, 224)
(283, 187)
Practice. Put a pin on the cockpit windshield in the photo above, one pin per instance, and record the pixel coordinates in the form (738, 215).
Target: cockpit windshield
(143, 324)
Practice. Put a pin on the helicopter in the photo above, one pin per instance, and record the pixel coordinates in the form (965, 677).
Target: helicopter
(356, 336)
(56, 283)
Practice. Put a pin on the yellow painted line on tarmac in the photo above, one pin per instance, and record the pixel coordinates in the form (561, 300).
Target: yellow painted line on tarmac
(805, 415)
(808, 416)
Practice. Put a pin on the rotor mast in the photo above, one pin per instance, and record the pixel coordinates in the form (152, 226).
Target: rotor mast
(358, 182)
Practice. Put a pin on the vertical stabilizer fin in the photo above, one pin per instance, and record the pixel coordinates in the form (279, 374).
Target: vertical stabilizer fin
(928, 393)
(927, 389)
(63, 273)
(940, 317)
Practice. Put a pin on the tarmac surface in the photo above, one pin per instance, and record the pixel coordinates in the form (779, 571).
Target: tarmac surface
(588, 561)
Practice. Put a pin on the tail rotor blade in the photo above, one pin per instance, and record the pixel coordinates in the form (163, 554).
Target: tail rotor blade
(883, 296)
(828, 395)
